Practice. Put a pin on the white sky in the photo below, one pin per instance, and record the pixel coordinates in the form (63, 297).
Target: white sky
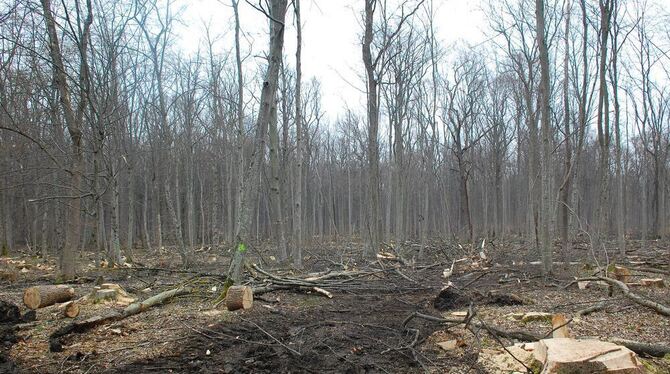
(331, 38)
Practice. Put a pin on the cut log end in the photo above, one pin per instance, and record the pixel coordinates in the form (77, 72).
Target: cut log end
(31, 298)
(41, 296)
(70, 309)
(239, 297)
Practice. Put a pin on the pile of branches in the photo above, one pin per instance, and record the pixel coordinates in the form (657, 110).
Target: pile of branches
(323, 283)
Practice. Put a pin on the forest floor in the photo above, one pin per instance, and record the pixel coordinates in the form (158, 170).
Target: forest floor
(360, 329)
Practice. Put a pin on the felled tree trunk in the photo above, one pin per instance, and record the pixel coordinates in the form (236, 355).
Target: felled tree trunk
(239, 297)
(55, 340)
(69, 309)
(41, 296)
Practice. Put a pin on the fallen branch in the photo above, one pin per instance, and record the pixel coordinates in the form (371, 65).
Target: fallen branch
(658, 307)
(592, 309)
(516, 334)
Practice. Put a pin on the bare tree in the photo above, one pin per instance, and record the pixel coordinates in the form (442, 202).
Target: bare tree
(546, 250)
(73, 119)
(276, 16)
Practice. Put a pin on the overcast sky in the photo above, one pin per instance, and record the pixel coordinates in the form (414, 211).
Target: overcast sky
(331, 38)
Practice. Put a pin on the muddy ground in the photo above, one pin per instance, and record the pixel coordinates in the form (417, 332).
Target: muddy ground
(359, 330)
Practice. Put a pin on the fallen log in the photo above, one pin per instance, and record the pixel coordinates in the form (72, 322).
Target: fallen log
(55, 340)
(69, 309)
(41, 296)
(239, 297)
(655, 350)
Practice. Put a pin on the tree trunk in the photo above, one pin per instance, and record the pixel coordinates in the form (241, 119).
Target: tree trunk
(546, 249)
(297, 219)
(564, 190)
(252, 173)
(73, 121)
(276, 188)
(373, 209)
(114, 254)
(183, 253)
(145, 209)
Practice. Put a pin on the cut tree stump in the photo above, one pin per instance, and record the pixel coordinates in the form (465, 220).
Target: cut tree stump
(559, 325)
(239, 297)
(41, 296)
(102, 295)
(621, 274)
(565, 355)
(69, 309)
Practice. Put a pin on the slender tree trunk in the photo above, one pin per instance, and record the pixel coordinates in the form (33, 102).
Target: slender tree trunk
(373, 182)
(179, 238)
(564, 190)
(276, 188)
(603, 121)
(131, 213)
(157, 208)
(620, 204)
(145, 209)
(252, 174)
(190, 198)
(545, 250)
(114, 254)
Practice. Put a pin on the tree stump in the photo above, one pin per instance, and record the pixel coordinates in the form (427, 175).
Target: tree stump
(41, 296)
(564, 355)
(239, 297)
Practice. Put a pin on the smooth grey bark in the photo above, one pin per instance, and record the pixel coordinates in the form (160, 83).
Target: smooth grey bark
(114, 254)
(176, 222)
(373, 220)
(564, 189)
(614, 79)
(546, 250)
(276, 188)
(298, 209)
(603, 122)
(145, 215)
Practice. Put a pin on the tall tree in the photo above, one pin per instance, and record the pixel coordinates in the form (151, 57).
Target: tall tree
(73, 118)
(546, 249)
(297, 211)
(276, 17)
